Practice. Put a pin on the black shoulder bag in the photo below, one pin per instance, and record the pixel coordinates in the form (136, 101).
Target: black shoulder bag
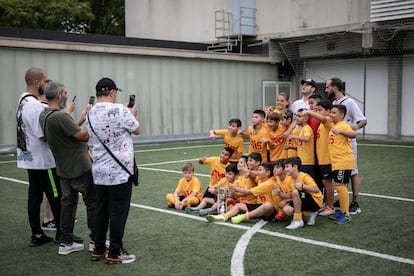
(134, 178)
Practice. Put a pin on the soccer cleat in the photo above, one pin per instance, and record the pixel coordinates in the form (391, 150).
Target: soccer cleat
(354, 208)
(39, 241)
(237, 219)
(343, 219)
(123, 258)
(312, 218)
(65, 249)
(327, 211)
(215, 218)
(295, 224)
(49, 226)
(337, 215)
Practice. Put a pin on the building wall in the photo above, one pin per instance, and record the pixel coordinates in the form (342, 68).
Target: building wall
(352, 73)
(174, 95)
(194, 20)
(407, 110)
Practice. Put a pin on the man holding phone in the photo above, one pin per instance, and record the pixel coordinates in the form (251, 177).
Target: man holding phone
(110, 126)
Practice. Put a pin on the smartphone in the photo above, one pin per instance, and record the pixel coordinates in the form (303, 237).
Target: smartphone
(74, 98)
(131, 101)
(91, 100)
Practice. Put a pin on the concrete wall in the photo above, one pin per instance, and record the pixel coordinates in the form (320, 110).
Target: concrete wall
(193, 20)
(175, 95)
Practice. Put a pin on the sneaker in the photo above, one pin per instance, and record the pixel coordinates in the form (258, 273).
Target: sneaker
(327, 211)
(92, 245)
(354, 208)
(215, 218)
(337, 215)
(123, 258)
(312, 218)
(65, 249)
(50, 225)
(39, 241)
(204, 212)
(343, 219)
(191, 210)
(237, 219)
(96, 257)
(295, 224)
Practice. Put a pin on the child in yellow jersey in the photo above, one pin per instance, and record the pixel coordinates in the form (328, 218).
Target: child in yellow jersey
(188, 191)
(275, 143)
(342, 159)
(231, 176)
(280, 196)
(305, 143)
(256, 132)
(286, 118)
(323, 109)
(244, 180)
(262, 191)
(306, 195)
(218, 166)
(232, 138)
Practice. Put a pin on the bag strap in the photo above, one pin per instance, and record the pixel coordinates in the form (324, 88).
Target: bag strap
(107, 149)
(47, 116)
(20, 102)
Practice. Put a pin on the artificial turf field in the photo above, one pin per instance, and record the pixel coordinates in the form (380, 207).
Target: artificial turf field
(379, 241)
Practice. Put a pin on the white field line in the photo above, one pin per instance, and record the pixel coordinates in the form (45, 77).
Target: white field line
(257, 229)
(237, 259)
(266, 232)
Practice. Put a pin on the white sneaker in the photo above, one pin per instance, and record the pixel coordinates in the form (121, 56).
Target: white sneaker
(312, 218)
(92, 245)
(123, 258)
(65, 249)
(295, 224)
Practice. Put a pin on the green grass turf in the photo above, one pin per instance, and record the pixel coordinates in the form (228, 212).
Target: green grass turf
(169, 243)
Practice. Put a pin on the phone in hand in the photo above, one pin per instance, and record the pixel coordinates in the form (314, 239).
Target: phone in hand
(74, 98)
(91, 100)
(131, 101)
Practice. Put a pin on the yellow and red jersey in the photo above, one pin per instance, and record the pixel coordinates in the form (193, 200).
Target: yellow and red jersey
(217, 169)
(185, 188)
(340, 149)
(236, 143)
(306, 150)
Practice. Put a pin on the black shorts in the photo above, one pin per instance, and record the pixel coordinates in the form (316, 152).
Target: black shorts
(325, 171)
(209, 195)
(342, 176)
(252, 207)
(308, 203)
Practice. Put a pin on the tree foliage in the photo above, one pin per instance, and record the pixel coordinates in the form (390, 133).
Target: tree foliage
(76, 16)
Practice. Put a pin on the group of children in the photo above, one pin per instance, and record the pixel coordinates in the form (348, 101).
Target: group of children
(279, 179)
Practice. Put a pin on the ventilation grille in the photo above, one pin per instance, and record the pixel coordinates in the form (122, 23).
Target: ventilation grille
(382, 10)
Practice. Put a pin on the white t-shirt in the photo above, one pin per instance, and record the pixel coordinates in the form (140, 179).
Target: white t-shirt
(353, 113)
(298, 104)
(38, 155)
(113, 123)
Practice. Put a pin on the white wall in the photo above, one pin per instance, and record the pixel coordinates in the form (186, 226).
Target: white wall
(407, 126)
(352, 73)
(194, 21)
(177, 20)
